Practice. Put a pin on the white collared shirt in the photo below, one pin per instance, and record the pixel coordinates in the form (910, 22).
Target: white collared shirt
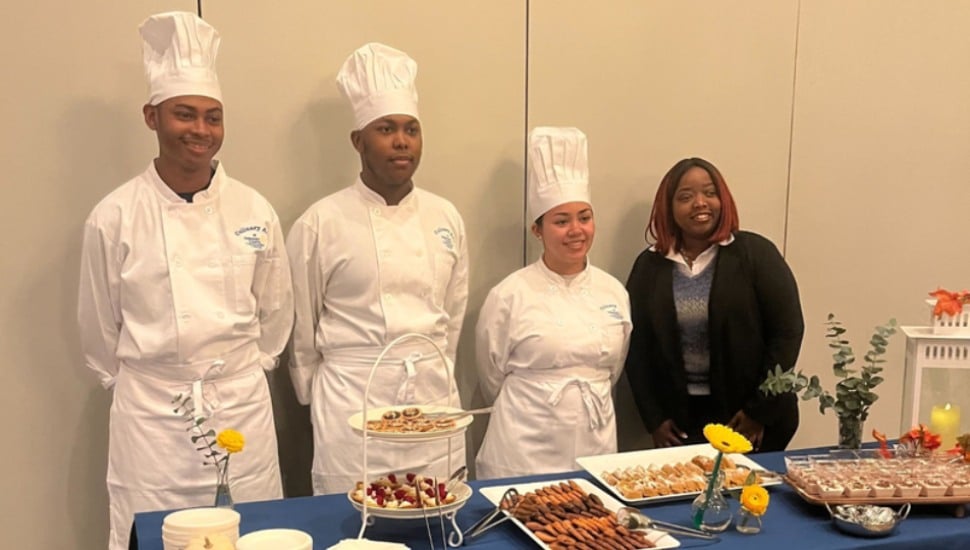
(702, 261)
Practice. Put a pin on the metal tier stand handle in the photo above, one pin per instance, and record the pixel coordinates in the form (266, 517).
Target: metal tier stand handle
(452, 394)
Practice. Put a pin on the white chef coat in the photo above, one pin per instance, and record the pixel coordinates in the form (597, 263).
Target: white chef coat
(365, 273)
(192, 299)
(551, 350)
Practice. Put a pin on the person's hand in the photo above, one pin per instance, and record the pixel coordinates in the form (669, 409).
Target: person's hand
(748, 427)
(668, 435)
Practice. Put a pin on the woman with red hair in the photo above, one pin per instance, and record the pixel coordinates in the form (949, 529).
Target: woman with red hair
(714, 308)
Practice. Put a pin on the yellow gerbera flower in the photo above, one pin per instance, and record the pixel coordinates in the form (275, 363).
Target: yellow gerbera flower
(754, 498)
(725, 439)
(231, 440)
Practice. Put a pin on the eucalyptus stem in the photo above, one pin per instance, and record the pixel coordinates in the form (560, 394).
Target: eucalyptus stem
(699, 514)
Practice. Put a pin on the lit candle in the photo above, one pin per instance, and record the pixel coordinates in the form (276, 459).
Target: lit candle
(945, 420)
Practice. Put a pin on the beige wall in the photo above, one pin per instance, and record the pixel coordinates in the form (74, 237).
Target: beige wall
(880, 171)
(842, 127)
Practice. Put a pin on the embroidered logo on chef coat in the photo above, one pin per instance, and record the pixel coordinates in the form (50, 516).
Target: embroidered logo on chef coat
(253, 235)
(612, 311)
(447, 237)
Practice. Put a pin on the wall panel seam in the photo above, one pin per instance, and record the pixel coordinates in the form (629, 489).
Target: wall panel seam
(791, 130)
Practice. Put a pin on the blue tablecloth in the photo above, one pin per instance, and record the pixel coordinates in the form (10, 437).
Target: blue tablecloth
(790, 523)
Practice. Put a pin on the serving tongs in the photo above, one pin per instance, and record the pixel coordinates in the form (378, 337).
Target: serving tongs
(631, 518)
(504, 509)
(442, 415)
(459, 476)
(765, 474)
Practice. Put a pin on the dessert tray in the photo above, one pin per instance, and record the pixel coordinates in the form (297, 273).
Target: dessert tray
(537, 504)
(411, 422)
(672, 473)
(821, 479)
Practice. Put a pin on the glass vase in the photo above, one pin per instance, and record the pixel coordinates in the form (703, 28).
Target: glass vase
(223, 494)
(710, 510)
(747, 522)
(850, 432)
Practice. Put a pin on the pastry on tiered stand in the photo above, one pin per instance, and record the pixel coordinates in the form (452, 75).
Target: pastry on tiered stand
(403, 492)
(409, 420)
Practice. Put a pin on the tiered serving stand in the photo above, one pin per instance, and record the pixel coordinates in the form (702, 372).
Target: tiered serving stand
(462, 491)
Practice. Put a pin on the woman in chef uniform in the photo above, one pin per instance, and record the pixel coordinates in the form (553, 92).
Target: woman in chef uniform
(184, 290)
(551, 338)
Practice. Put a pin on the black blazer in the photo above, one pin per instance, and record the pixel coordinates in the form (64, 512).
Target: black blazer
(754, 322)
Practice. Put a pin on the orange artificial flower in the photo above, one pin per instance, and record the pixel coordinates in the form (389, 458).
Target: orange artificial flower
(921, 438)
(950, 303)
(962, 448)
(883, 443)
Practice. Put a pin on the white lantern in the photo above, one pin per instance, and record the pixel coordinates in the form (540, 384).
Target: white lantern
(936, 387)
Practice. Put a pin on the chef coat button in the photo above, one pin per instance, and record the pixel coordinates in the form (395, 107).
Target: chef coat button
(178, 262)
(185, 316)
(208, 209)
(585, 292)
(387, 296)
(376, 211)
(592, 328)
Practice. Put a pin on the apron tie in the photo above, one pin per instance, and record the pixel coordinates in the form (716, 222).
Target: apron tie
(405, 394)
(201, 408)
(594, 407)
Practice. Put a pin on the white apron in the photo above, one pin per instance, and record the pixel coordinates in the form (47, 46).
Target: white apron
(543, 419)
(173, 293)
(364, 274)
(152, 462)
(410, 373)
(549, 350)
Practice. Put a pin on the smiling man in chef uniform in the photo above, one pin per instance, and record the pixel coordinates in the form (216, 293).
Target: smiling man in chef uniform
(185, 289)
(376, 260)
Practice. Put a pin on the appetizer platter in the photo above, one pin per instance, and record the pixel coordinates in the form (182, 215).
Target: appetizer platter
(572, 513)
(411, 422)
(672, 473)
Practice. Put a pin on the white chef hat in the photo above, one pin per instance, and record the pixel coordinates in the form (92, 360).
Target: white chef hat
(180, 56)
(558, 168)
(379, 80)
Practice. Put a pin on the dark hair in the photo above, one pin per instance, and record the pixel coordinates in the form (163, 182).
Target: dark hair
(663, 230)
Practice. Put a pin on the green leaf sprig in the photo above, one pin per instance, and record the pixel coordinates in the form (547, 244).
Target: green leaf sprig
(854, 392)
(185, 408)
